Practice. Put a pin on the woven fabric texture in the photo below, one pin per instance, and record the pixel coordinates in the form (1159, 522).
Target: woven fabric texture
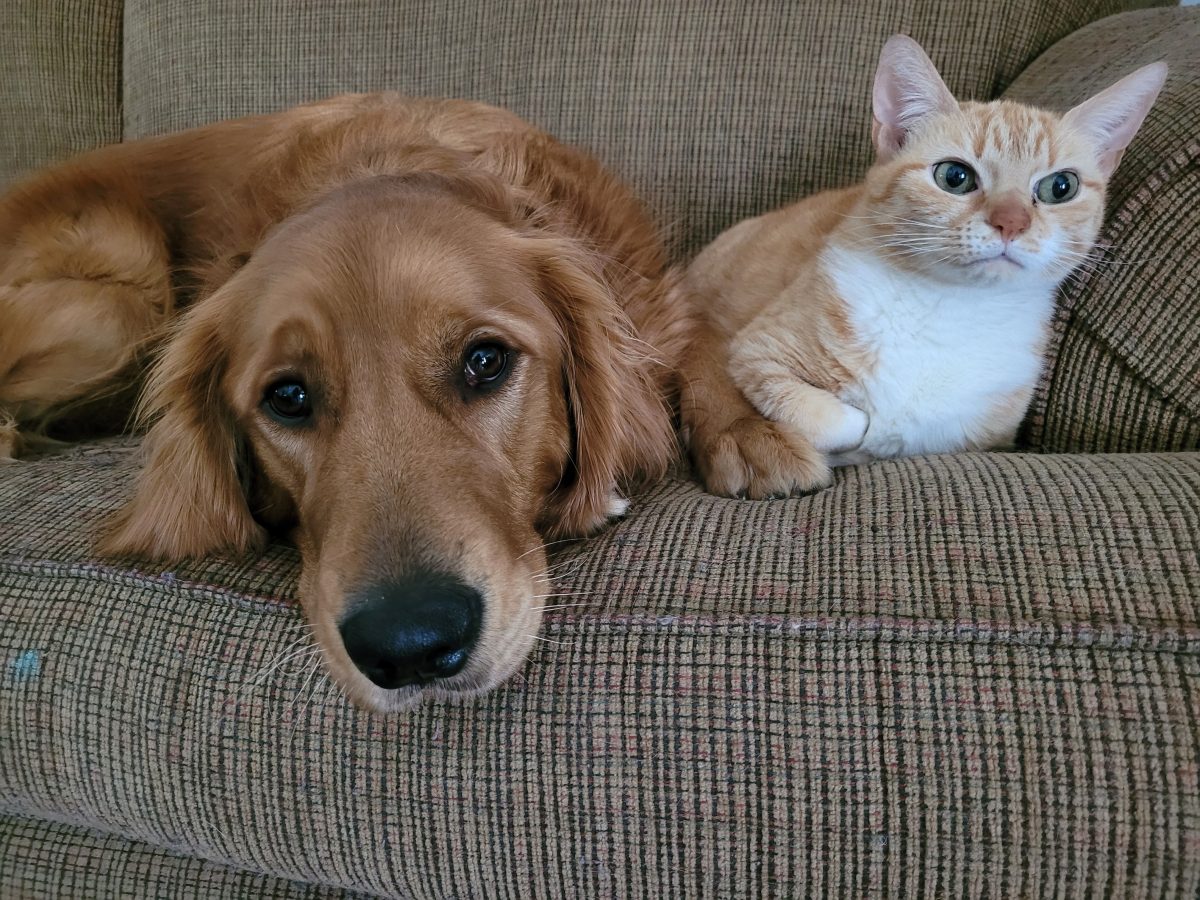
(45, 859)
(975, 675)
(714, 112)
(972, 675)
(1124, 371)
(60, 71)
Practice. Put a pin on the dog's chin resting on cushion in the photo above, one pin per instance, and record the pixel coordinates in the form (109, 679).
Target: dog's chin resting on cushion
(421, 338)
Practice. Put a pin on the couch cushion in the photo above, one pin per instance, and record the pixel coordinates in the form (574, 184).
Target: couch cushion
(1124, 371)
(940, 674)
(60, 68)
(715, 111)
(47, 859)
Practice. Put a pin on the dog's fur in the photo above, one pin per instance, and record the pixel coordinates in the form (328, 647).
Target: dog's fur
(361, 243)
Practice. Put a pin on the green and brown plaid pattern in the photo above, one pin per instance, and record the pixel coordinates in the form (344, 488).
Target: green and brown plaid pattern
(714, 112)
(973, 675)
(1124, 367)
(964, 674)
(48, 859)
(60, 80)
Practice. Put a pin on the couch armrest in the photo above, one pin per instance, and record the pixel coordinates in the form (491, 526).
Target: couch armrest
(1123, 372)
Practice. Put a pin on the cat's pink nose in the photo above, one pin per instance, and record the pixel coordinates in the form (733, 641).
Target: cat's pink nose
(1011, 218)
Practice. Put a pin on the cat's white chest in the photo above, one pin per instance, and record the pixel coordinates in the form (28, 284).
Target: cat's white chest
(943, 357)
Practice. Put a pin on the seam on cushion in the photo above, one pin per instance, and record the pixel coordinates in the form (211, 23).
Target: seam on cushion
(139, 833)
(897, 629)
(1122, 218)
(115, 575)
(894, 629)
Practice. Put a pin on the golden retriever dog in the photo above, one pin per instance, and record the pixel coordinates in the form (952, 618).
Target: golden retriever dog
(420, 337)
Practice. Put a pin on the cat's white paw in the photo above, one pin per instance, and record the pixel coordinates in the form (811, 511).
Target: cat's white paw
(617, 506)
(845, 433)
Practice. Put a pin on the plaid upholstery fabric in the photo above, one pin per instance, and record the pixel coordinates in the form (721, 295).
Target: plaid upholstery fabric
(973, 675)
(44, 859)
(714, 112)
(1124, 373)
(60, 80)
(959, 675)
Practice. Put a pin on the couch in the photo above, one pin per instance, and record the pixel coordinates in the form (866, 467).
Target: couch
(972, 675)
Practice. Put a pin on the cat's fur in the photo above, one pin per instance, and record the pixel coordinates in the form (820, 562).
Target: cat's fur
(895, 317)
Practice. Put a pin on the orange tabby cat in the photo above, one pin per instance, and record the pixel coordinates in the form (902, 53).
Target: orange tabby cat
(907, 314)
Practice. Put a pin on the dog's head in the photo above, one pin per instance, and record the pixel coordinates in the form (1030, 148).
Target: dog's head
(421, 389)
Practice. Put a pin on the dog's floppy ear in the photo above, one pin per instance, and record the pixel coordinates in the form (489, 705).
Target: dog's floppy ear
(189, 500)
(620, 421)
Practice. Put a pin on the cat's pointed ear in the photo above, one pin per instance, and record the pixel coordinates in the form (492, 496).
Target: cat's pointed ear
(1113, 117)
(907, 89)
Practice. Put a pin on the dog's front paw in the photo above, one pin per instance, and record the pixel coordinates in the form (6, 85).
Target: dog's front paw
(10, 439)
(759, 459)
(618, 506)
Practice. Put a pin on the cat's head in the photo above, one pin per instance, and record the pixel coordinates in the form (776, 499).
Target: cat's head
(992, 192)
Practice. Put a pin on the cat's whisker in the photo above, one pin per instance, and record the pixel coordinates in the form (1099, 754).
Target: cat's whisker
(874, 240)
(1101, 254)
(919, 247)
(886, 218)
(932, 245)
(912, 252)
(921, 238)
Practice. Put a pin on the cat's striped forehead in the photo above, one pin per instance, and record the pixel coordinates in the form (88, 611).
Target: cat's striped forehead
(1010, 130)
(1000, 131)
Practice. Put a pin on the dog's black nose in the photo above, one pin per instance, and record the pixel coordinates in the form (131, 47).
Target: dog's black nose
(414, 630)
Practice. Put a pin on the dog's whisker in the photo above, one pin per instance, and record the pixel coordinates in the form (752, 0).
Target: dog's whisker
(545, 546)
(297, 672)
(329, 690)
(278, 661)
(564, 564)
(549, 641)
(321, 684)
(286, 652)
(303, 688)
(553, 574)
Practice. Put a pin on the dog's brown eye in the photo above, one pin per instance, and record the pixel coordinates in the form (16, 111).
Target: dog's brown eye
(485, 364)
(288, 402)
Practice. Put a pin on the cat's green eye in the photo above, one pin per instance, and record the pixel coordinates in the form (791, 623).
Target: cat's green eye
(954, 177)
(1058, 187)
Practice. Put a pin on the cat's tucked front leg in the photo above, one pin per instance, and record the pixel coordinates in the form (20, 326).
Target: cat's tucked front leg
(830, 425)
(736, 451)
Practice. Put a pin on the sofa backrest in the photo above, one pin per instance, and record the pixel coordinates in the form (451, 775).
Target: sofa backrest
(714, 111)
(60, 80)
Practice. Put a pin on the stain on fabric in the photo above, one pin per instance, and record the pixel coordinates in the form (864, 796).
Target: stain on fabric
(27, 666)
